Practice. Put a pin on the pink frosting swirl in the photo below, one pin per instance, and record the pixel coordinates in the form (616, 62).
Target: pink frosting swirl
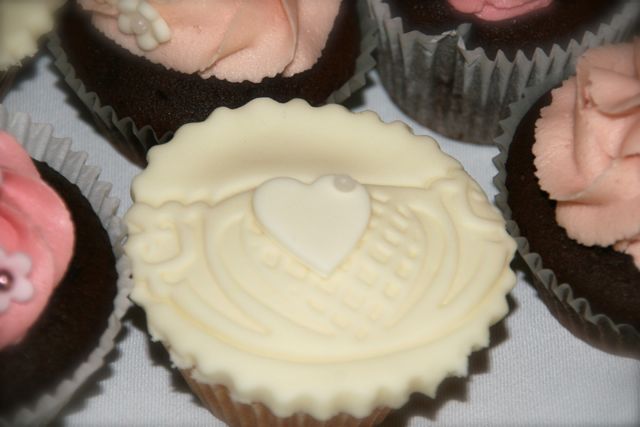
(588, 150)
(36, 239)
(498, 10)
(233, 40)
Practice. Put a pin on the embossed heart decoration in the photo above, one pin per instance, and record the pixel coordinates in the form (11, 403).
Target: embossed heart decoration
(320, 223)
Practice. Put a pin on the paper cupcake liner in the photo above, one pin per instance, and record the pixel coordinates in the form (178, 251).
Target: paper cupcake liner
(573, 312)
(220, 403)
(461, 93)
(39, 141)
(134, 140)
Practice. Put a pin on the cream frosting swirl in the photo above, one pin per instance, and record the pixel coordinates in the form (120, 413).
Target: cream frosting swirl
(21, 25)
(414, 293)
(36, 241)
(233, 40)
(498, 10)
(588, 150)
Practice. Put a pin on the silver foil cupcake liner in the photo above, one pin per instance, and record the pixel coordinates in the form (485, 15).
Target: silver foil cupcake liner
(461, 93)
(40, 143)
(134, 139)
(573, 312)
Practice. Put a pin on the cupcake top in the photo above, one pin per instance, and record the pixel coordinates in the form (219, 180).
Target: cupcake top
(509, 26)
(21, 25)
(328, 268)
(587, 149)
(232, 40)
(36, 241)
(498, 10)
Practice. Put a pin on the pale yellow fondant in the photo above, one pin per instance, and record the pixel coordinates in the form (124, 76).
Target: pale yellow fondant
(405, 308)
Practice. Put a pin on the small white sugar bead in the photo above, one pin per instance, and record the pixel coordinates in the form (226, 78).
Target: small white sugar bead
(345, 183)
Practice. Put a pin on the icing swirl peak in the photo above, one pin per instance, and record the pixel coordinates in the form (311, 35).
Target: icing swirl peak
(588, 150)
(36, 241)
(233, 40)
(498, 10)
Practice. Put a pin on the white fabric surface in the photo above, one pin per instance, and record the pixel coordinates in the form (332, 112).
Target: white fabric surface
(535, 373)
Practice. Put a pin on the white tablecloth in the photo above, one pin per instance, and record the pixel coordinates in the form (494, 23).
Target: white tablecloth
(535, 373)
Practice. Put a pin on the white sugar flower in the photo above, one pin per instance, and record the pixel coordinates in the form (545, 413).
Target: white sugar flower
(14, 282)
(142, 19)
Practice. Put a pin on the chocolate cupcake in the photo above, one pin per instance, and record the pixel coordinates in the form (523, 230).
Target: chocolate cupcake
(61, 300)
(579, 232)
(325, 283)
(142, 87)
(455, 66)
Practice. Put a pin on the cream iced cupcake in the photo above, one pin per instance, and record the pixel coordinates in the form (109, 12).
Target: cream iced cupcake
(297, 270)
(22, 23)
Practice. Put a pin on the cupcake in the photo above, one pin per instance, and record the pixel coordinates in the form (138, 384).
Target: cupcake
(570, 189)
(60, 298)
(22, 23)
(455, 65)
(146, 67)
(306, 274)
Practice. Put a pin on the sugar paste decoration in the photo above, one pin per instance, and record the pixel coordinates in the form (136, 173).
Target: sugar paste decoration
(320, 223)
(14, 282)
(140, 18)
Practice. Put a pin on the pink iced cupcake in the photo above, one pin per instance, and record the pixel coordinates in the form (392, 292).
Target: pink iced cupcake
(456, 65)
(37, 240)
(572, 190)
(60, 296)
(146, 67)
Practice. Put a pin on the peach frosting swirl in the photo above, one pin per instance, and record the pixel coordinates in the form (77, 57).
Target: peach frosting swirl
(36, 241)
(498, 10)
(233, 40)
(588, 150)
